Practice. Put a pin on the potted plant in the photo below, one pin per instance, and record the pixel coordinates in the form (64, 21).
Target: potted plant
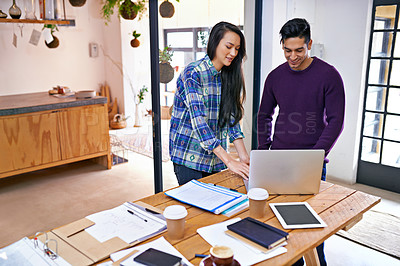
(138, 110)
(127, 9)
(166, 70)
(55, 42)
(135, 42)
(77, 3)
(167, 9)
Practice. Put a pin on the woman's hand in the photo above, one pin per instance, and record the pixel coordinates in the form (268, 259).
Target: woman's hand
(239, 168)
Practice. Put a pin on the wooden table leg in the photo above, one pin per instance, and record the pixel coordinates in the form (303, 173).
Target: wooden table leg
(311, 257)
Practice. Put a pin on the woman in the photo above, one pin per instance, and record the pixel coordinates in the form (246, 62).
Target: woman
(208, 106)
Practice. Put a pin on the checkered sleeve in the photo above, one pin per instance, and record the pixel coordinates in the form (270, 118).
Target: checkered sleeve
(197, 109)
(234, 132)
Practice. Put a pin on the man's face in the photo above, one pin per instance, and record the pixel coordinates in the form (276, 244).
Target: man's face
(296, 53)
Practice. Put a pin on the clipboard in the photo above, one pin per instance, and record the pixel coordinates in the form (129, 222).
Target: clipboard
(74, 235)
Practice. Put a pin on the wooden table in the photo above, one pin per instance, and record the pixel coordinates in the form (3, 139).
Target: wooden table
(338, 206)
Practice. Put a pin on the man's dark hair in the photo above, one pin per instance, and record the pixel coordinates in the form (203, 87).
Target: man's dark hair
(297, 27)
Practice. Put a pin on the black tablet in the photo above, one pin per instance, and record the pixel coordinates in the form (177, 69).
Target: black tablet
(293, 215)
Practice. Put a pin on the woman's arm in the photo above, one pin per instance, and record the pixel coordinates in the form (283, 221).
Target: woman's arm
(241, 150)
(237, 167)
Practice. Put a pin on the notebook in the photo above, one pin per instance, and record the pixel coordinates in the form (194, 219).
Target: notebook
(286, 171)
(260, 233)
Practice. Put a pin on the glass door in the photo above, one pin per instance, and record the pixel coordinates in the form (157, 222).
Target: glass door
(379, 157)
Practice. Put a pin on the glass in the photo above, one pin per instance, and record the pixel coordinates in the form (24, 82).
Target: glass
(391, 154)
(375, 98)
(30, 9)
(395, 77)
(392, 127)
(200, 55)
(202, 39)
(397, 46)
(370, 150)
(180, 39)
(386, 13)
(14, 11)
(394, 101)
(382, 44)
(373, 125)
(378, 71)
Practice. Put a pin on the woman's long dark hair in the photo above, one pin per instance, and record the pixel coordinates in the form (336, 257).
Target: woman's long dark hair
(233, 90)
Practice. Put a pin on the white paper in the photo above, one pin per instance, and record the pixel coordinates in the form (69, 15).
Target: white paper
(243, 253)
(206, 196)
(23, 252)
(160, 244)
(118, 222)
(14, 42)
(47, 35)
(35, 37)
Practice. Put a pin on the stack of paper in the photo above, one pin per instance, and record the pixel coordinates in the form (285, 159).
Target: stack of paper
(127, 222)
(206, 196)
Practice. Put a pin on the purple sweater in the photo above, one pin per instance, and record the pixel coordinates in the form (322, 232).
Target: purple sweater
(311, 108)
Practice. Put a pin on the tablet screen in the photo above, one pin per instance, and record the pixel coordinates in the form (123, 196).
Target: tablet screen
(296, 215)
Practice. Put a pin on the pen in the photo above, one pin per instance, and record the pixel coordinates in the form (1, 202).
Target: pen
(200, 255)
(231, 189)
(131, 212)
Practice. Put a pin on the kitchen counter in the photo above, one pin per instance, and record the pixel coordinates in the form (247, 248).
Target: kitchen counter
(41, 101)
(38, 131)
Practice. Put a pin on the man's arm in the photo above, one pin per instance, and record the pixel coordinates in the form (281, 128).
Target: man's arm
(334, 106)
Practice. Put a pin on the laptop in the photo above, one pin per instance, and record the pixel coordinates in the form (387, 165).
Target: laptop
(286, 171)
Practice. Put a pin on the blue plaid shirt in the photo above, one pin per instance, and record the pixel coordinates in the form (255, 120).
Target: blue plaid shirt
(194, 131)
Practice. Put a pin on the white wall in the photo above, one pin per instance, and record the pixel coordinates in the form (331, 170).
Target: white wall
(30, 68)
(344, 38)
(136, 61)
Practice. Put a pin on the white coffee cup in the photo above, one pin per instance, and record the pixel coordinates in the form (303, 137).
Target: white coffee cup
(175, 216)
(257, 201)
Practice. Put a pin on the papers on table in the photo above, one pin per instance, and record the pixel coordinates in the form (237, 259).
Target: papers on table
(127, 222)
(244, 253)
(160, 244)
(209, 197)
(24, 252)
(244, 204)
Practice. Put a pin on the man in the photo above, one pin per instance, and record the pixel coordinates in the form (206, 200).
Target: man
(310, 96)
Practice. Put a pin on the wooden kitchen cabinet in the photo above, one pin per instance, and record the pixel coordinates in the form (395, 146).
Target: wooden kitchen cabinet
(28, 141)
(83, 131)
(67, 131)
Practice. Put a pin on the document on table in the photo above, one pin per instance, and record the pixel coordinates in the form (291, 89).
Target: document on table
(126, 221)
(160, 244)
(206, 196)
(244, 253)
(24, 252)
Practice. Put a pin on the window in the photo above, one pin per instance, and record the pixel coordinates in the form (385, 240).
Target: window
(379, 160)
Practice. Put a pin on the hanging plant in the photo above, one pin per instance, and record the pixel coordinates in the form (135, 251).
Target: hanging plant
(166, 70)
(77, 3)
(55, 42)
(127, 9)
(135, 42)
(167, 9)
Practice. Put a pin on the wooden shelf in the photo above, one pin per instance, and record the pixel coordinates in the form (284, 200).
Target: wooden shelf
(70, 22)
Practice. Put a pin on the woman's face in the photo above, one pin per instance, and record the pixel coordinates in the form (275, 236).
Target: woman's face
(227, 50)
